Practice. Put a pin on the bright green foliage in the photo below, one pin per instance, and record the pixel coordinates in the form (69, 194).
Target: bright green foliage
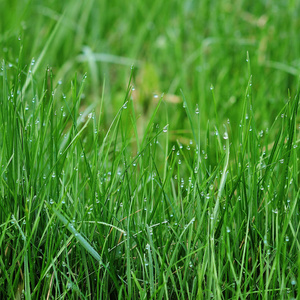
(177, 178)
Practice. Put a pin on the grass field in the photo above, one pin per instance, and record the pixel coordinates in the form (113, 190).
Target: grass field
(149, 150)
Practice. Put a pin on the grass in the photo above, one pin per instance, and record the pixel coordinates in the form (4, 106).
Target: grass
(174, 179)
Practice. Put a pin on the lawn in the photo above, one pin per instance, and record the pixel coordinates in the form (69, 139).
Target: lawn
(149, 149)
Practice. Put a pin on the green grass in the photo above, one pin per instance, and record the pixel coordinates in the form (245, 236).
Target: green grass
(177, 178)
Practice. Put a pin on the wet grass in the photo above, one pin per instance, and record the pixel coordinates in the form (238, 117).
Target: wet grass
(173, 179)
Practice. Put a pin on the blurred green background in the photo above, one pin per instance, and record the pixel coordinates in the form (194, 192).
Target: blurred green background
(173, 45)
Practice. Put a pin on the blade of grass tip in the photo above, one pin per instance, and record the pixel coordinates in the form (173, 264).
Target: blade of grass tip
(151, 120)
(189, 117)
(248, 64)
(79, 132)
(83, 242)
(215, 103)
(39, 60)
(101, 103)
(115, 120)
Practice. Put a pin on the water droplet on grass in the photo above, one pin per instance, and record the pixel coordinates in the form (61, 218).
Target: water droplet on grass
(165, 129)
(225, 136)
(265, 240)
